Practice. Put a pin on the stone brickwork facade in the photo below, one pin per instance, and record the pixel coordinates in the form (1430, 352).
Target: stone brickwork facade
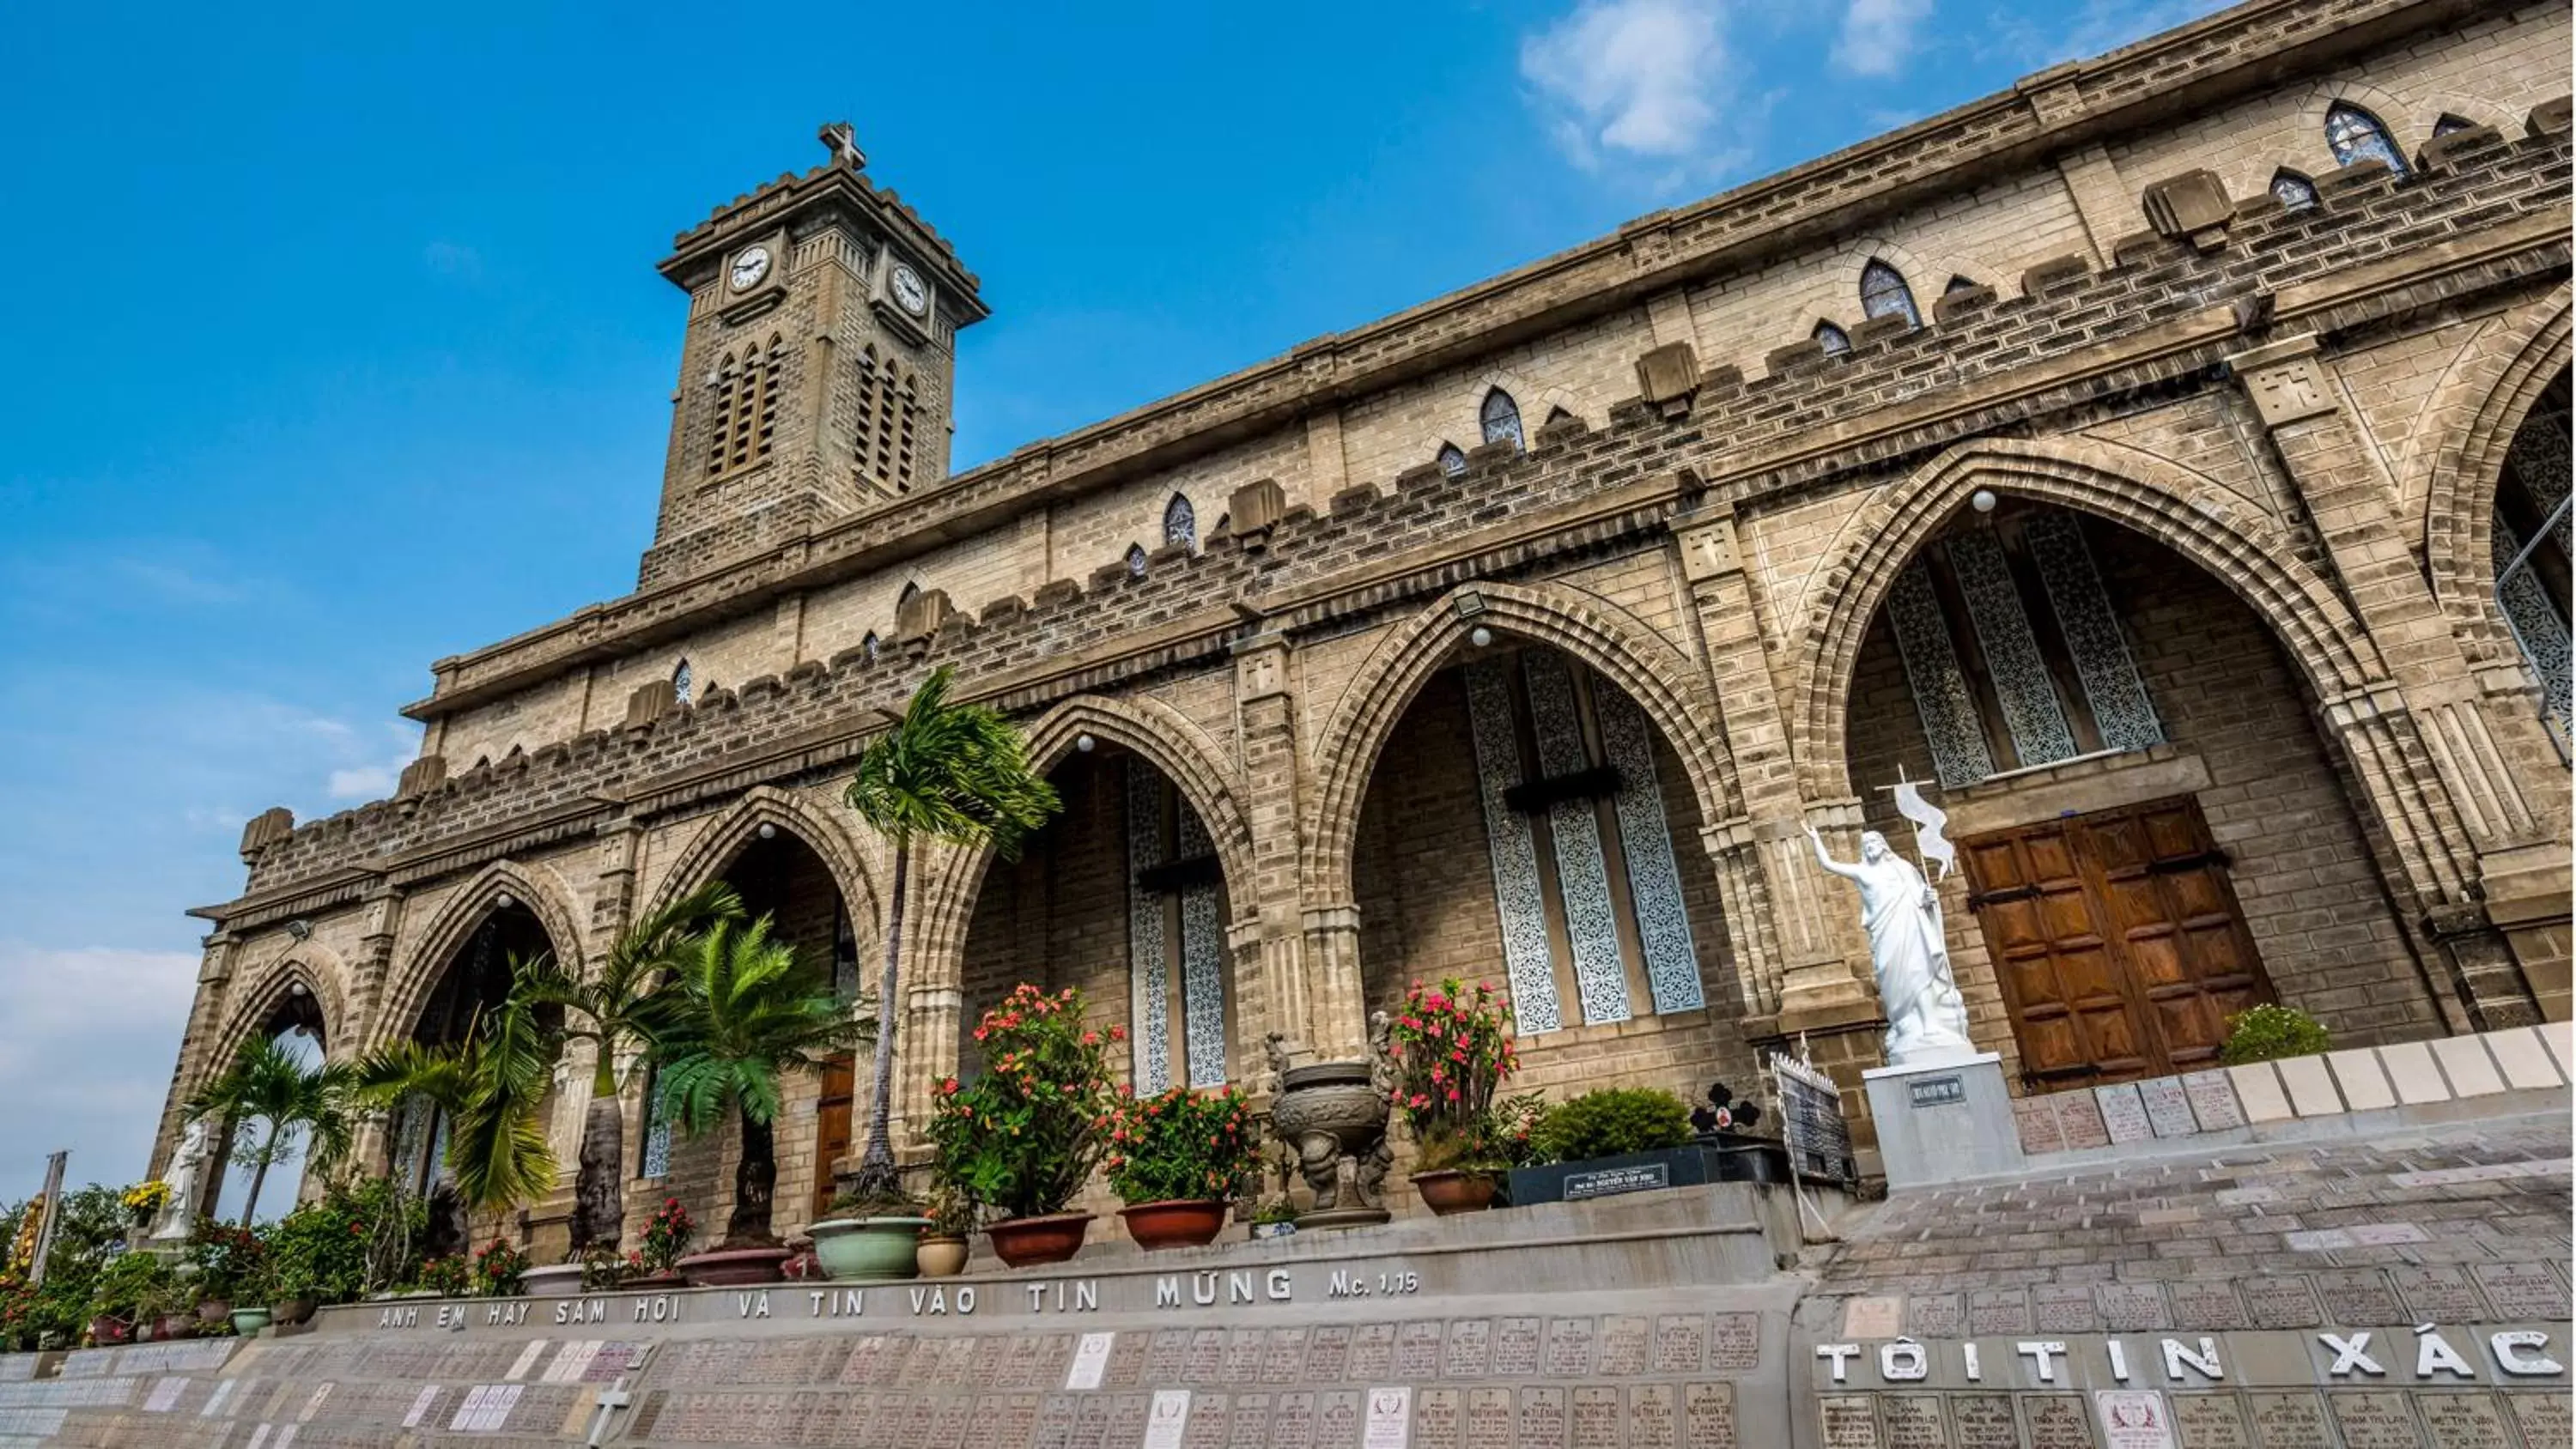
(2274, 388)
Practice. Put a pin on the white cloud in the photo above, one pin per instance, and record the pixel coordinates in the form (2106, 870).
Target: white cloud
(86, 1048)
(1638, 81)
(366, 782)
(1878, 36)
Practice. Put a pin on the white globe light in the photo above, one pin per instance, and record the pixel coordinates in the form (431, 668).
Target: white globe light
(768, 831)
(505, 900)
(1983, 500)
(1480, 636)
(1085, 743)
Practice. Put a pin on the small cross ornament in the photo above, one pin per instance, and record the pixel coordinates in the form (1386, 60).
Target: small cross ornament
(844, 144)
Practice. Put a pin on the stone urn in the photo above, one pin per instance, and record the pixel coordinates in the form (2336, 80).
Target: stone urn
(1332, 1117)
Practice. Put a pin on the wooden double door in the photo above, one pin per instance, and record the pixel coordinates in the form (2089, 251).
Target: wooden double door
(2118, 942)
(832, 1127)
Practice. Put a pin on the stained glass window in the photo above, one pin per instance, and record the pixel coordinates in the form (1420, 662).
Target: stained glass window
(1883, 293)
(1180, 522)
(2355, 136)
(1136, 560)
(1452, 462)
(869, 646)
(2293, 189)
(680, 682)
(1501, 418)
(1833, 338)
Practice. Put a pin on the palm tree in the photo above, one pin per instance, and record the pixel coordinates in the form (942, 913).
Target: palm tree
(606, 1009)
(742, 1012)
(268, 1084)
(489, 1087)
(958, 774)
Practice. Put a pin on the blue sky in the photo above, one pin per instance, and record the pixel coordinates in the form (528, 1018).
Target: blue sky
(339, 345)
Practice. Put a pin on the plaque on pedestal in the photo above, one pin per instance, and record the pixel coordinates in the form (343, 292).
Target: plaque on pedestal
(1944, 1123)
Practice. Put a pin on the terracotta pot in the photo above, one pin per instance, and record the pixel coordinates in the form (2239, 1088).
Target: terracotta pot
(554, 1280)
(734, 1267)
(214, 1310)
(292, 1310)
(1454, 1192)
(940, 1257)
(667, 1278)
(1185, 1223)
(1020, 1242)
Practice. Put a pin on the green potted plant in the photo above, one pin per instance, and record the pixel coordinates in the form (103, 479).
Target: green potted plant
(1452, 1047)
(666, 1240)
(943, 774)
(743, 1011)
(128, 1293)
(1022, 1138)
(942, 1250)
(223, 1256)
(1275, 1218)
(251, 1292)
(869, 1237)
(451, 1276)
(1177, 1159)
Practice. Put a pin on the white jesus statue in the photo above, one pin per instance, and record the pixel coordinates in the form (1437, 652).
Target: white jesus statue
(1926, 1020)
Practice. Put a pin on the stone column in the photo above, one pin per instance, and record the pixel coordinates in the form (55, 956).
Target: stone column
(934, 996)
(2457, 764)
(1805, 966)
(1309, 951)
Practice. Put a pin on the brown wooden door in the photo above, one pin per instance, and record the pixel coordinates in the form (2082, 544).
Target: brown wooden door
(2117, 940)
(832, 1128)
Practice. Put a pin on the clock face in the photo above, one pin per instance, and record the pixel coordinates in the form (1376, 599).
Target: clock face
(749, 266)
(909, 293)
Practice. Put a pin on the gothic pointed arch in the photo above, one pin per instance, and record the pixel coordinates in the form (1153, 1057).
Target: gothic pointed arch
(2194, 515)
(2474, 414)
(267, 990)
(1675, 696)
(715, 845)
(1147, 727)
(416, 972)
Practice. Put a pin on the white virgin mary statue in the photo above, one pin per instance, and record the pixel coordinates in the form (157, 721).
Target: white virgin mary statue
(1926, 1020)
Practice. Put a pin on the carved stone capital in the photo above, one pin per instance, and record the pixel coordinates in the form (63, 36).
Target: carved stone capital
(2286, 381)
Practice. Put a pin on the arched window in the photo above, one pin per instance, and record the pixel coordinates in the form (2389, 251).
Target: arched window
(1832, 338)
(680, 682)
(2450, 123)
(1883, 293)
(1180, 522)
(1501, 418)
(1452, 461)
(1135, 560)
(2355, 135)
(869, 646)
(2293, 189)
(906, 597)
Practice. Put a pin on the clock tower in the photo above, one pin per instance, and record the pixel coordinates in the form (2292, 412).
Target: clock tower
(816, 376)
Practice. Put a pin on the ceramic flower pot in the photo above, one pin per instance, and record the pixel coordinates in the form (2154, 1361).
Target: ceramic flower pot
(247, 1321)
(734, 1267)
(1020, 1242)
(1454, 1192)
(1189, 1223)
(554, 1280)
(868, 1250)
(940, 1257)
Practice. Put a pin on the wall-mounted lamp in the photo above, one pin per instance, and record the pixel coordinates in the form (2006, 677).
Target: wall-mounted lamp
(1480, 636)
(1085, 743)
(1983, 500)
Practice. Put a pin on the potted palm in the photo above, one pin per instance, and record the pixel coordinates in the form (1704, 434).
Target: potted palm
(952, 774)
(942, 1250)
(742, 1012)
(489, 1088)
(1452, 1048)
(1022, 1138)
(606, 1010)
(1176, 1160)
(268, 1085)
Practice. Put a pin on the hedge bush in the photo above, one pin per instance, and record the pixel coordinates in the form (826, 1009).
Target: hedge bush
(2269, 1033)
(1612, 1122)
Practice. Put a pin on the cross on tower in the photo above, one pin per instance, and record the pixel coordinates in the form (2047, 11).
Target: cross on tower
(844, 144)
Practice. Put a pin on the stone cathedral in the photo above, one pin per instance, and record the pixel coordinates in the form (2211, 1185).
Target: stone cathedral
(2165, 463)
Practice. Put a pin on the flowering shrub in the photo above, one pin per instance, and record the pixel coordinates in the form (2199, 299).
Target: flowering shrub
(666, 1237)
(1181, 1145)
(231, 1262)
(144, 1200)
(603, 1267)
(448, 1277)
(1022, 1137)
(1452, 1046)
(498, 1265)
(320, 1249)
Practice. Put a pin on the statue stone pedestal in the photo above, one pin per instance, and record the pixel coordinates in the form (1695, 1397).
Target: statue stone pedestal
(1943, 1119)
